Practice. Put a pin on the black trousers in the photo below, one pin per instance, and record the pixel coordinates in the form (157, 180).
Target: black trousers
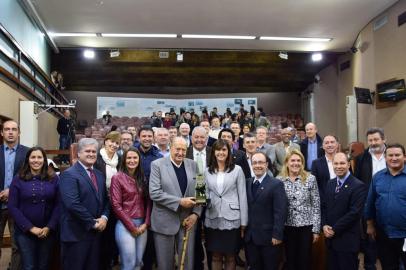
(262, 257)
(82, 255)
(390, 251)
(149, 257)
(298, 245)
(339, 260)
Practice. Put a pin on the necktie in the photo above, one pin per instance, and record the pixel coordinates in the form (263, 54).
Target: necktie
(93, 178)
(255, 187)
(338, 186)
(199, 161)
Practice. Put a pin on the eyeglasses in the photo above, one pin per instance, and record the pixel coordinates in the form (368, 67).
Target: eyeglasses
(258, 162)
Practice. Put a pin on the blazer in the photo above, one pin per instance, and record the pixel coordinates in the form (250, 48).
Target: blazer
(231, 203)
(280, 154)
(21, 152)
(189, 153)
(363, 167)
(167, 215)
(343, 211)
(81, 203)
(240, 159)
(303, 148)
(267, 211)
(320, 171)
(269, 151)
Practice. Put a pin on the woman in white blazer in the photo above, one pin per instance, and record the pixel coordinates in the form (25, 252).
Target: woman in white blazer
(227, 212)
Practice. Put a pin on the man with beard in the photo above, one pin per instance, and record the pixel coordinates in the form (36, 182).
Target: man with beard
(366, 166)
(126, 142)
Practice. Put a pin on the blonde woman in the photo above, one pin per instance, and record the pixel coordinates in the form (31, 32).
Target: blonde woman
(303, 222)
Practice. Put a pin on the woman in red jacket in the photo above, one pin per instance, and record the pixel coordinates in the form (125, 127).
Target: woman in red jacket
(131, 204)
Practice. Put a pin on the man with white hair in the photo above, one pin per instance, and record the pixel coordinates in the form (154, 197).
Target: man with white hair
(311, 146)
(184, 131)
(162, 141)
(84, 210)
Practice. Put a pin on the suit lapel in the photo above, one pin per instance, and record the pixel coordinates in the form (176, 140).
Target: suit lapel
(262, 187)
(88, 180)
(190, 175)
(172, 175)
(249, 190)
(19, 158)
(2, 167)
(346, 187)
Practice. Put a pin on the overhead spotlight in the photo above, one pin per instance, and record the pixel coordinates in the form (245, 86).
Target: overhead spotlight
(114, 53)
(179, 57)
(317, 57)
(283, 55)
(89, 54)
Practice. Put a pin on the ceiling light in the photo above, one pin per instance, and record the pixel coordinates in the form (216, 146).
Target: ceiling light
(218, 36)
(179, 57)
(283, 55)
(296, 39)
(140, 35)
(317, 57)
(114, 53)
(72, 34)
(89, 54)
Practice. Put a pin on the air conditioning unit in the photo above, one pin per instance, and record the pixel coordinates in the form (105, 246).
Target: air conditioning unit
(29, 123)
(352, 119)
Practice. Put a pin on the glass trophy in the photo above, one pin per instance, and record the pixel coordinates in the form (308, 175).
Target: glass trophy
(200, 190)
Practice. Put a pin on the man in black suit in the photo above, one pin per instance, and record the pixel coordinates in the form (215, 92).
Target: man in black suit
(341, 213)
(267, 211)
(322, 168)
(366, 165)
(12, 155)
(238, 142)
(239, 156)
(199, 152)
(311, 146)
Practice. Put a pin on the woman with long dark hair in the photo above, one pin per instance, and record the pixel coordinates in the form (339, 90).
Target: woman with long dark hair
(34, 205)
(227, 212)
(131, 204)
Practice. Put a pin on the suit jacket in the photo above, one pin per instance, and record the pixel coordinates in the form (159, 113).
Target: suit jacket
(269, 151)
(267, 211)
(81, 203)
(280, 154)
(240, 159)
(322, 174)
(231, 202)
(303, 148)
(167, 214)
(343, 211)
(189, 154)
(363, 167)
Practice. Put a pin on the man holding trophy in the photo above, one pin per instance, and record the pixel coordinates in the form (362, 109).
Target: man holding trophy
(172, 188)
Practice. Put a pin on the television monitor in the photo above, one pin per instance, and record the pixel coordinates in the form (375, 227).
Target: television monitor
(391, 91)
(363, 95)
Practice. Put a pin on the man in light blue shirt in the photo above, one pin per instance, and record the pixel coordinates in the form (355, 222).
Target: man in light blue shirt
(12, 157)
(311, 147)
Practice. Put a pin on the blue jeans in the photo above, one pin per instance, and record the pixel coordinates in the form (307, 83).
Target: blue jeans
(131, 248)
(35, 252)
(64, 143)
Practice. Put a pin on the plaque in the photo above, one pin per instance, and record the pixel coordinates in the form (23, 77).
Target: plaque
(200, 190)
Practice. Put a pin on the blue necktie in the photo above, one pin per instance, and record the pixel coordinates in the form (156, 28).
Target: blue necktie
(255, 187)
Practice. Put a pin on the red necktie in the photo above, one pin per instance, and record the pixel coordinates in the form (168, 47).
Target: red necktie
(93, 178)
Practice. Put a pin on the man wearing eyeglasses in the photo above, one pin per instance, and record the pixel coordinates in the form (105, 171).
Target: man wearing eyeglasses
(267, 210)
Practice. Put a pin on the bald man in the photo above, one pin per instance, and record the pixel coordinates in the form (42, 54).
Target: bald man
(311, 146)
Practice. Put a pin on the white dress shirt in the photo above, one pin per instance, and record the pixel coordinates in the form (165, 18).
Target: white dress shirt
(202, 153)
(330, 168)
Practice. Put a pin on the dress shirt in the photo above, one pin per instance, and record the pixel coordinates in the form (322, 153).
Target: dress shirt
(9, 160)
(304, 202)
(311, 152)
(259, 179)
(220, 182)
(214, 133)
(165, 153)
(250, 164)
(202, 154)
(86, 169)
(330, 168)
(341, 181)
(386, 202)
(377, 163)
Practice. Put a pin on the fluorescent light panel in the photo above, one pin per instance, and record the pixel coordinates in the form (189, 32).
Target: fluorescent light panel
(218, 36)
(72, 34)
(296, 39)
(140, 35)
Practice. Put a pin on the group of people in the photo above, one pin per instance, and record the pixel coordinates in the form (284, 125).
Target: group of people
(134, 199)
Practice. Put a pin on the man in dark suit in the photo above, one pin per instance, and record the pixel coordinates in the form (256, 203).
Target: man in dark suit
(341, 213)
(12, 155)
(322, 168)
(84, 211)
(200, 153)
(267, 211)
(366, 166)
(311, 146)
(239, 157)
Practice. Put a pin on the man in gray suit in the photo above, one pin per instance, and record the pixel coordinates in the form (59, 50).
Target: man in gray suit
(263, 146)
(172, 190)
(281, 148)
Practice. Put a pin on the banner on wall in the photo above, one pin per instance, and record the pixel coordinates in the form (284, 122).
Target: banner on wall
(144, 107)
